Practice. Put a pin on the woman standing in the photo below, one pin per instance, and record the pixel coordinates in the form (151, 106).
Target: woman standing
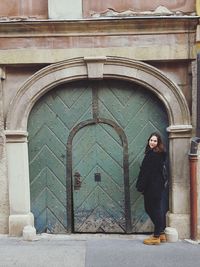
(152, 185)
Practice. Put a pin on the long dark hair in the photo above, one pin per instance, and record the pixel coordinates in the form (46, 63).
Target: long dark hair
(160, 146)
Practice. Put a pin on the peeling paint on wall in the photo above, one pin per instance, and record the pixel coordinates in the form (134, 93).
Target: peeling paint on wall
(182, 6)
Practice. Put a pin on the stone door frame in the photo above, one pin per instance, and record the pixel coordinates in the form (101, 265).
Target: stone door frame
(97, 68)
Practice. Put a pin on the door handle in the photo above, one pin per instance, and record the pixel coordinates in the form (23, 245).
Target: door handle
(77, 181)
(97, 177)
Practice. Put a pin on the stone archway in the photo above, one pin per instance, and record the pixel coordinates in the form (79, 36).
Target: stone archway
(93, 68)
(98, 68)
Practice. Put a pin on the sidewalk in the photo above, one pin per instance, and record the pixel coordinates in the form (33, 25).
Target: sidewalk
(95, 251)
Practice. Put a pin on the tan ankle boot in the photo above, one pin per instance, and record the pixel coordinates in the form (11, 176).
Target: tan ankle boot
(152, 240)
(163, 238)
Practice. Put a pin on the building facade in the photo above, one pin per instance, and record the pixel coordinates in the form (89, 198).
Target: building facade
(83, 84)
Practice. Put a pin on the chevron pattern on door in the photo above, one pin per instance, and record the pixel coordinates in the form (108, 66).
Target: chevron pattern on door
(98, 205)
(139, 113)
(50, 122)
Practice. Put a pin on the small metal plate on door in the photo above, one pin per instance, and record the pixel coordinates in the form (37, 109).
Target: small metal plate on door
(77, 181)
(97, 177)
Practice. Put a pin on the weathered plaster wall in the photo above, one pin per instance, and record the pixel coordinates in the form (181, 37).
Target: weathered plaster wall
(198, 7)
(4, 204)
(91, 6)
(33, 46)
(180, 73)
(194, 96)
(24, 8)
(65, 9)
(15, 78)
(97, 41)
(39, 9)
(48, 42)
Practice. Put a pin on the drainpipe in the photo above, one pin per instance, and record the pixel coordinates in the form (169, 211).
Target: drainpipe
(193, 159)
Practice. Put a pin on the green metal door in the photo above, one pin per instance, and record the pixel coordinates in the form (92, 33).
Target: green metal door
(98, 204)
(139, 113)
(93, 133)
(49, 125)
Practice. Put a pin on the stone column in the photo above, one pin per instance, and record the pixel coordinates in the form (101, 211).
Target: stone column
(19, 188)
(4, 203)
(179, 212)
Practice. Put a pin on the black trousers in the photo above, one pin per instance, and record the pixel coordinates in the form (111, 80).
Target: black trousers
(155, 207)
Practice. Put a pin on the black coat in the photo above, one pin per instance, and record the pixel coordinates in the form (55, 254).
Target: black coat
(150, 180)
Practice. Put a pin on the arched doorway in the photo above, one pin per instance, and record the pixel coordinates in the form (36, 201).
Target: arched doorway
(98, 157)
(77, 69)
(106, 124)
